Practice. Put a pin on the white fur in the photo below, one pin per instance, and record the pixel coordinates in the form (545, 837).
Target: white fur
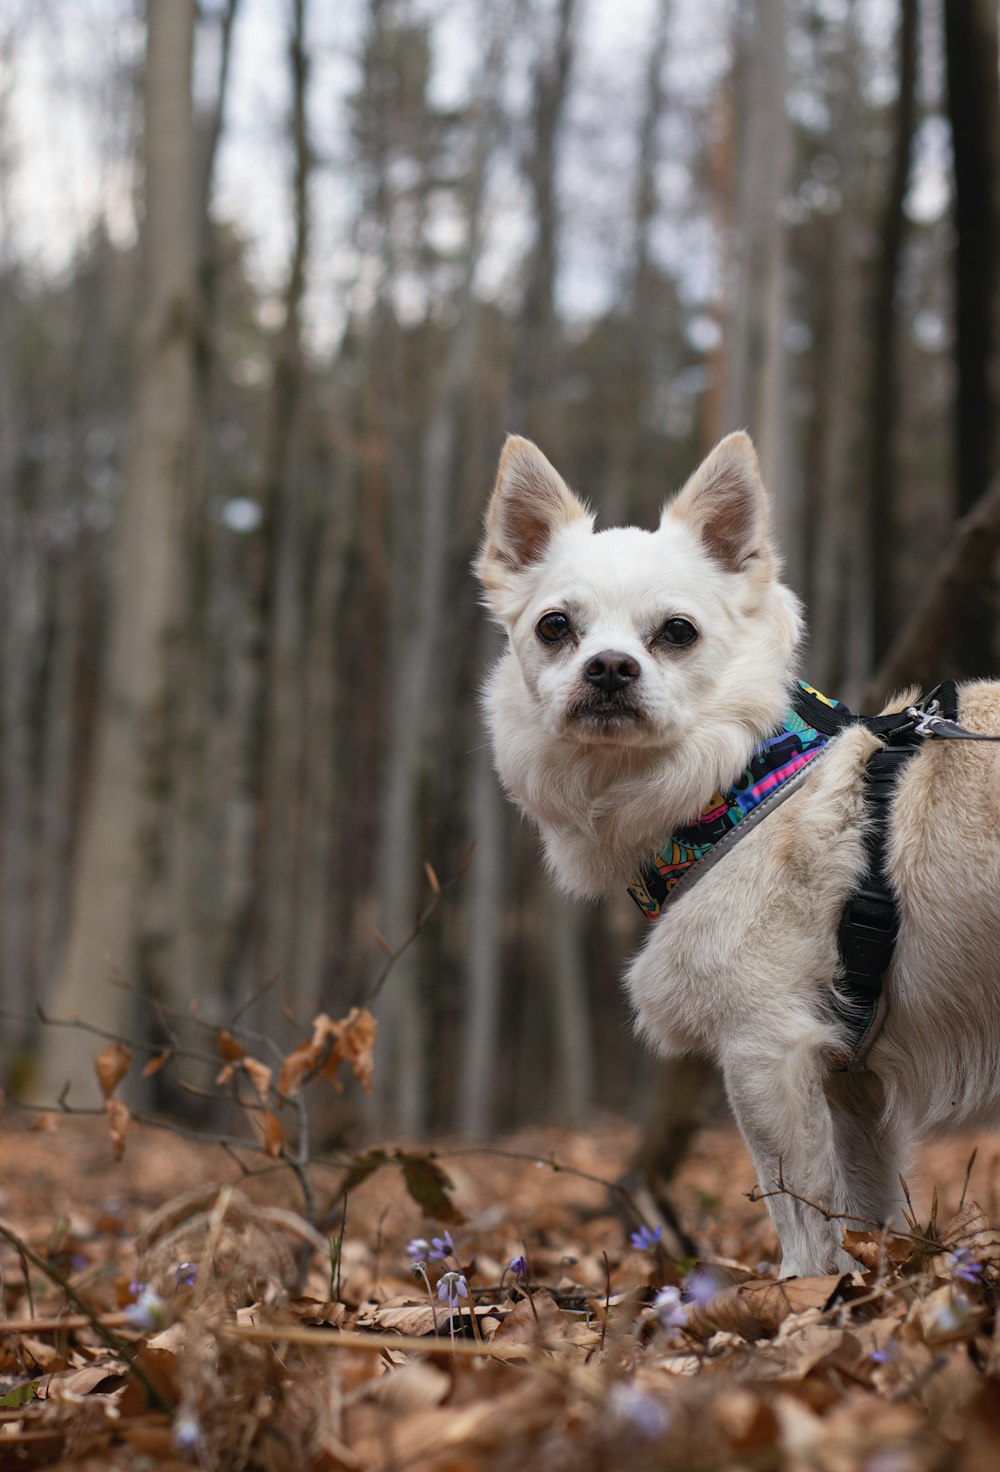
(743, 965)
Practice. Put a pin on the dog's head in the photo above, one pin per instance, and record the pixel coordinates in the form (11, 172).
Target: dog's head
(627, 637)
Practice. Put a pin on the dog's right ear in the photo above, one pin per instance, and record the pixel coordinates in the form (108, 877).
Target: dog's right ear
(530, 502)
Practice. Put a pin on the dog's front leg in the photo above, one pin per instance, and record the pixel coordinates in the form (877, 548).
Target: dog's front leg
(777, 1091)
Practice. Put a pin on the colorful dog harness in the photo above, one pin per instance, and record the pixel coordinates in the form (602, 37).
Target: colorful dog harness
(775, 770)
(777, 767)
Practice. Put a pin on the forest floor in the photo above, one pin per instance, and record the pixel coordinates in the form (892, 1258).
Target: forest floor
(894, 1368)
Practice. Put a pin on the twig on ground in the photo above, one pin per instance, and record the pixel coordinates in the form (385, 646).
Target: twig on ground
(120, 1346)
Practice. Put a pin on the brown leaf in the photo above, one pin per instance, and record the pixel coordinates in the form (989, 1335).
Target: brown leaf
(155, 1064)
(533, 1320)
(48, 1123)
(726, 1312)
(870, 1248)
(306, 1056)
(321, 1315)
(160, 1366)
(412, 1387)
(364, 1166)
(119, 1120)
(112, 1065)
(429, 1186)
(229, 1049)
(771, 1303)
(792, 1358)
(260, 1075)
(944, 1316)
(354, 1043)
(69, 1384)
(351, 1040)
(972, 1231)
(273, 1133)
(416, 1319)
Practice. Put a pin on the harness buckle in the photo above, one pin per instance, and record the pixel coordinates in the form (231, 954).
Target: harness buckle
(927, 717)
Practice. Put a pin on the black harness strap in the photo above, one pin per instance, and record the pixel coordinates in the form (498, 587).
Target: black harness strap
(869, 925)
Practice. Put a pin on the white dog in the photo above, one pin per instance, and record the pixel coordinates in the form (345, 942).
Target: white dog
(643, 672)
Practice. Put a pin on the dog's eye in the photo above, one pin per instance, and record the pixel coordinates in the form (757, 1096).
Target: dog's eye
(553, 628)
(677, 632)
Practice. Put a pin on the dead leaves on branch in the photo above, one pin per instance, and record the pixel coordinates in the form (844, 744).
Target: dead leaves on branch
(352, 1041)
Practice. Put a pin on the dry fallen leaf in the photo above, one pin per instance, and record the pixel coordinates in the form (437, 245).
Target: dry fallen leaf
(534, 1320)
(972, 1231)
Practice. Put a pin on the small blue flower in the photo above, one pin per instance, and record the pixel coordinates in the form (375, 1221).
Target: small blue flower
(148, 1313)
(418, 1249)
(965, 1266)
(642, 1411)
(646, 1238)
(442, 1247)
(519, 1266)
(670, 1313)
(700, 1287)
(885, 1355)
(187, 1274)
(187, 1432)
(452, 1287)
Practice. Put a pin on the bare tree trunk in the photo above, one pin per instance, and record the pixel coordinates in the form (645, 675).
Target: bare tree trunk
(642, 326)
(476, 1097)
(756, 390)
(884, 395)
(265, 931)
(146, 572)
(974, 110)
(835, 515)
(533, 370)
(206, 777)
(530, 412)
(413, 678)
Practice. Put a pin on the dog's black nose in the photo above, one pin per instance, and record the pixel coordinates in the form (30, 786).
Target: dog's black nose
(611, 670)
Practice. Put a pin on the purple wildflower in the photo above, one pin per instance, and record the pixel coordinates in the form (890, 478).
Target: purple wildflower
(964, 1266)
(670, 1313)
(885, 1355)
(519, 1266)
(148, 1313)
(452, 1287)
(646, 1239)
(187, 1274)
(187, 1432)
(418, 1250)
(442, 1247)
(640, 1410)
(700, 1287)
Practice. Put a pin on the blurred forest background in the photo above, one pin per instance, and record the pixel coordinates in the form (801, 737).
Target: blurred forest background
(276, 277)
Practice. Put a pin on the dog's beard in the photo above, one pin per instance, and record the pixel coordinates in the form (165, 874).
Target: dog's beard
(595, 714)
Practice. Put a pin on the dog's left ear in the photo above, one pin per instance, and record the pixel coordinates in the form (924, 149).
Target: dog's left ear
(726, 504)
